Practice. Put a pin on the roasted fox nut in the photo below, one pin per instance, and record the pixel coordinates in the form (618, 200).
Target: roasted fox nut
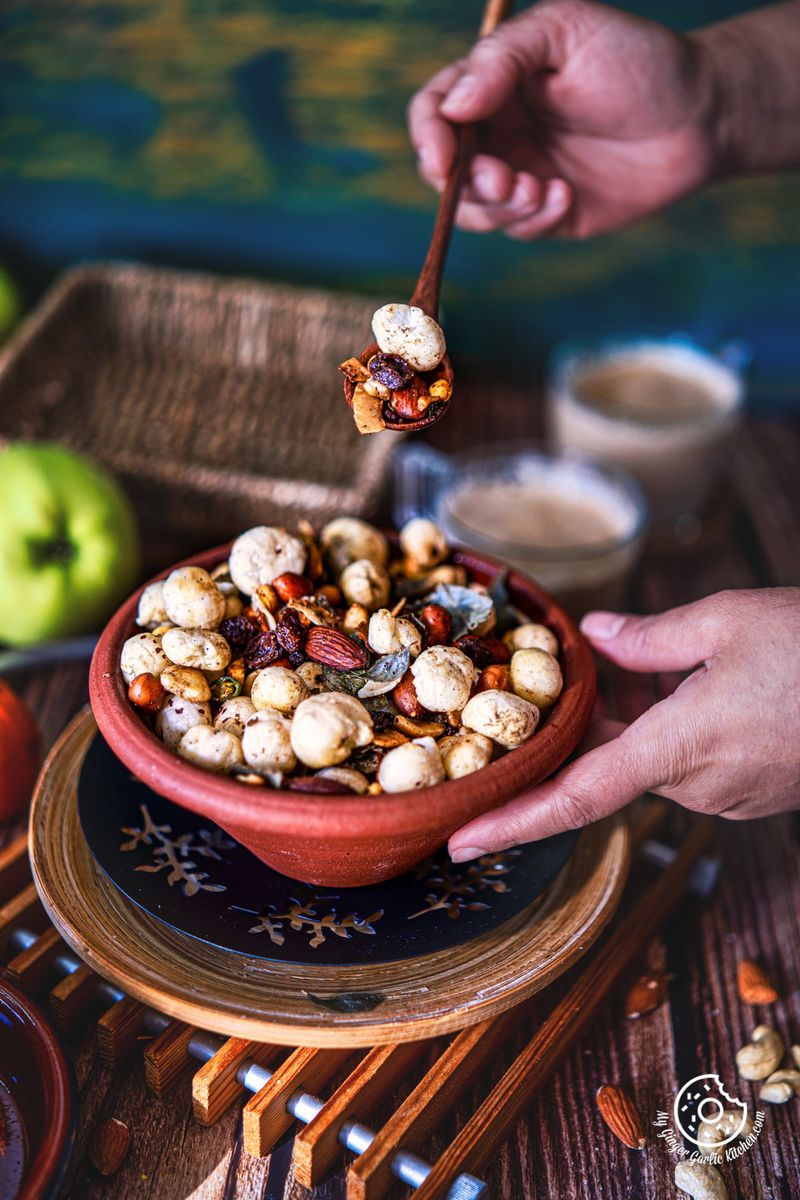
(437, 622)
(146, 691)
(405, 697)
(291, 586)
(494, 677)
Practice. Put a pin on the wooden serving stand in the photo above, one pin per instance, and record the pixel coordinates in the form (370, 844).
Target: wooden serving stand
(252, 1056)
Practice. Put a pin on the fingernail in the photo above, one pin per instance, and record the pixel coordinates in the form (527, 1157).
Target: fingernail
(465, 854)
(555, 196)
(602, 625)
(485, 185)
(461, 94)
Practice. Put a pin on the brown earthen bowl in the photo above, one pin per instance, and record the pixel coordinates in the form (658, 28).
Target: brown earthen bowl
(38, 1101)
(347, 840)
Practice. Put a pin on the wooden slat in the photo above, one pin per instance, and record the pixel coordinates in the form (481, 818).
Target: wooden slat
(23, 909)
(215, 1086)
(166, 1058)
(493, 1120)
(317, 1147)
(428, 1104)
(71, 997)
(118, 1030)
(29, 968)
(265, 1119)
(15, 867)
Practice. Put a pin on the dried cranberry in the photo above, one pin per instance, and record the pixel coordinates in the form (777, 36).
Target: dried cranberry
(238, 631)
(291, 632)
(261, 651)
(390, 369)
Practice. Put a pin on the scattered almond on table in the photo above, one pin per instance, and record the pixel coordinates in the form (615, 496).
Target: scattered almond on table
(646, 994)
(109, 1146)
(755, 986)
(621, 1115)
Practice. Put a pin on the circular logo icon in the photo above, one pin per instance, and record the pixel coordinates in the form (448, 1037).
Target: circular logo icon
(704, 1101)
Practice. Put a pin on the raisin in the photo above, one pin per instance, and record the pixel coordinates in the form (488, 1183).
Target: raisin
(238, 631)
(261, 651)
(296, 659)
(291, 632)
(391, 370)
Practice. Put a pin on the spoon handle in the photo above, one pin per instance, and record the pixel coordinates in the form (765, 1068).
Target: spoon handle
(426, 293)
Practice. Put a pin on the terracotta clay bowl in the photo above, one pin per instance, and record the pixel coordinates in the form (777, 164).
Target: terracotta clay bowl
(38, 1107)
(347, 840)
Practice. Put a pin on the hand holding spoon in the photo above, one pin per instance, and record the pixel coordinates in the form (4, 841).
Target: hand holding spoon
(419, 406)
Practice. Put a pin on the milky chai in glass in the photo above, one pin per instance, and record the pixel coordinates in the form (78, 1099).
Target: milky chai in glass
(665, 412)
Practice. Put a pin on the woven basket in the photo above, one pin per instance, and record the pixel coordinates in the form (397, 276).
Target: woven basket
(216, 402)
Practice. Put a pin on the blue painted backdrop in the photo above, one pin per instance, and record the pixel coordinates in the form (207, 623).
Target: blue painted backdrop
(268, 137)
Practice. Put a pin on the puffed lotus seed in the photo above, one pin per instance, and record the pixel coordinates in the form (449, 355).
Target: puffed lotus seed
(443, 678)
(187, 683)
(536, 676)
(504, 717)
(278, 688)
(150, 611)
(234, 714)
(266, 742)
(413, 765)
(142, 654)
(424, 543)
(328, 727)
(192, 599)
(464, 753)
(382, 633)
(176, 716)
(312, 676)
(364, 582)
(200, 648)
(213, 749)
(345, 540)
(262, 554)
(406, 330)
(532, 637)
(410, 636)
(349, 777)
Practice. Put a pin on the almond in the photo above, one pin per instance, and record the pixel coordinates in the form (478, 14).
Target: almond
(645, 994)
(755, 986)
(109, 1146)
(333, 648)
(621, 1116)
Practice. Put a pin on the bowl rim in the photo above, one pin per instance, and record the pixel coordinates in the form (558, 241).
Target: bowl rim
(44, 1171)
(222, 799)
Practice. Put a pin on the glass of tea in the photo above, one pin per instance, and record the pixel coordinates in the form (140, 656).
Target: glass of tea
(572, 523)
(662, 407)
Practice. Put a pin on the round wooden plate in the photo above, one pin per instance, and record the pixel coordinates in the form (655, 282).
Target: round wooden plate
(303, 1005)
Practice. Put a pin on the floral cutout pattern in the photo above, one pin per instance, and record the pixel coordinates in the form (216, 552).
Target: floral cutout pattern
(173, 853)
(305, 915)
(453, 891)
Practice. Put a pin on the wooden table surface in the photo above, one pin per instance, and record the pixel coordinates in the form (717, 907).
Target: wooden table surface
(561, 1148)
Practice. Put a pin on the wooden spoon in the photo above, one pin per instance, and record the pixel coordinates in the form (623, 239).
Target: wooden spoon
(429, 284)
